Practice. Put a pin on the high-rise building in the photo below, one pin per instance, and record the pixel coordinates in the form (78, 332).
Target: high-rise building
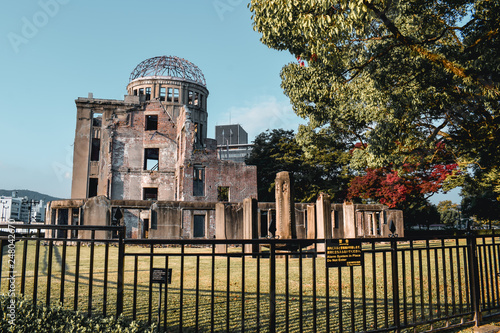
(232, 143)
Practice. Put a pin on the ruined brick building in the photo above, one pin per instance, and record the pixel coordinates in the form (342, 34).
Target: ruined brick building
(153, 144)
(146, 162)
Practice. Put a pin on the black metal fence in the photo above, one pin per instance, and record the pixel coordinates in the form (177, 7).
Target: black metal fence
(258, 285)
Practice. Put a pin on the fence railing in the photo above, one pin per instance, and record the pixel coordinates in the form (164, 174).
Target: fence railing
(263, 285)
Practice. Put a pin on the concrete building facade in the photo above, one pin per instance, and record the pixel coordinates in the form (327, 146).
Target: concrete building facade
(232, 143)
(21, 209)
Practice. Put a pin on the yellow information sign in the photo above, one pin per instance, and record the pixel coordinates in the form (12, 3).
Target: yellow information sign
(343, 253)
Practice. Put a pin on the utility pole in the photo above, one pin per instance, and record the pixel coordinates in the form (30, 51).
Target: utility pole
(4, 203)
(32, 202)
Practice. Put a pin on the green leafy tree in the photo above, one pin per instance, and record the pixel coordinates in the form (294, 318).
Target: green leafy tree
(420, 213)
(394, 79)
(449, 212)
(481, 203)
(319, 169)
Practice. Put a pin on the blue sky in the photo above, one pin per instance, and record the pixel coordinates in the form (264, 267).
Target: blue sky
(54, 51)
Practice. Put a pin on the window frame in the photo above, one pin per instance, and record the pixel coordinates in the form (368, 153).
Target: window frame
(225, 195)
(201, 218)
(163, 93)
(176, 95)
(149, 152)
(148, 189)
(150, 125)
(199, 181)
(170, 93)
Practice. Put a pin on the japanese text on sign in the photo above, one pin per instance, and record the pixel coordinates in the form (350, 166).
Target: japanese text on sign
(343, 252)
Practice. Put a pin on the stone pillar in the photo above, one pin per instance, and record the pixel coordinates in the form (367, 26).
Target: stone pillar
(250, 223)
(349, 220)
(220, 226)
(323, 219)
(285, 207)
(311, 221)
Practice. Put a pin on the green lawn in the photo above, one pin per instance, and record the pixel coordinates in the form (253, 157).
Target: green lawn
(252, 298)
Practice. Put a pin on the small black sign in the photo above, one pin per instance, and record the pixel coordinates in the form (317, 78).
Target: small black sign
(161, 275)
(343, 253)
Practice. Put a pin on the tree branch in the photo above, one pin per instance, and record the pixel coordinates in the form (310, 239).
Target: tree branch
(435, 58)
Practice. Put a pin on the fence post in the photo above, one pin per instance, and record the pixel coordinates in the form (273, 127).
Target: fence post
(121, 263)
(272, 287)
(474, 278)
(395, 284)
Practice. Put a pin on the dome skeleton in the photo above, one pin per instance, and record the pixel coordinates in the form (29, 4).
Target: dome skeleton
(168, 66)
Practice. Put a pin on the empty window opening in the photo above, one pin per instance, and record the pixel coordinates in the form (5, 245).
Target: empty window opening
(176, 95)
(376, 218)
(264, 228)
(75, 221)
(196, 133)
(97, 120)
(196, 98)
(135, 92)
(336, 224)
(75, 216)
(145, 229)
(151, 159)
(141, 91)
(169, 94)
(199, 181)
(148, 93)
(154, 219)
(151, 123)
(92, 187)
(95, 150)
(150, 193)
(163, 92)
(199, 226)
(190, 97)
(117, 216)
(272, 224)
(223, 193)
(199, 134)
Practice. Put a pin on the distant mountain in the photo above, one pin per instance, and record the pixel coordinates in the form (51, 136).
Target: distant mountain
(32, 195)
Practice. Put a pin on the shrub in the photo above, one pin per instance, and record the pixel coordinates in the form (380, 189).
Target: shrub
(36, 318)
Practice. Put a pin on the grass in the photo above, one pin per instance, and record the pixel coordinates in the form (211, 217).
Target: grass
(366, 303)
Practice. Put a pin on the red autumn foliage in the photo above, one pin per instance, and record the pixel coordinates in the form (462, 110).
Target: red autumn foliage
(391, 187)
(301, 63)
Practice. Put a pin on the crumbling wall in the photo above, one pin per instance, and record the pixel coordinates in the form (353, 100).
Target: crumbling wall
(131, 138)
(240, 178)
(96, 211)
